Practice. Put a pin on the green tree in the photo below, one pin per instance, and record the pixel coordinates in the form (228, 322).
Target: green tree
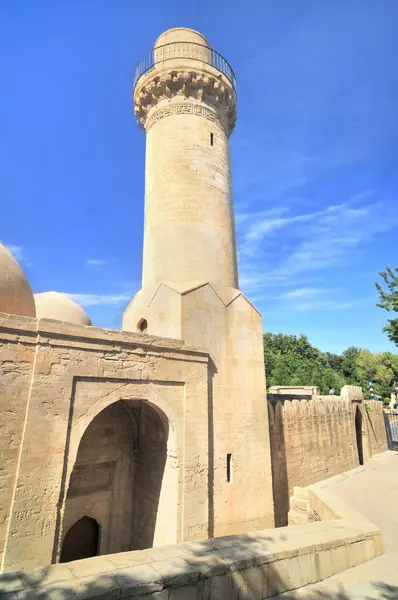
(349, 365)
(292, 360)
(389, 300)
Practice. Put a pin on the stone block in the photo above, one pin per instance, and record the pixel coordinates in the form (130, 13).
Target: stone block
(237, 557)
(200, 546)
(139, 580)
(90, 566)
(249, 583)
(163, 595)
(276, 577)
(104, 587)
(208, 565)
(128, 559)
(220, 588)
(302, 570)
(11, 582)
(378, 544)
(55, 591)
(165, 552)
(357, 553)
(324, 566)
(176, 572)
(339, 558)
(187, 592)
(42, 576)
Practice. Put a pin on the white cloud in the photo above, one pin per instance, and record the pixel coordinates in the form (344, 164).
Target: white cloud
(329, 304)
(310, 242)
(99, 299)
(303, 293)
(95, 262)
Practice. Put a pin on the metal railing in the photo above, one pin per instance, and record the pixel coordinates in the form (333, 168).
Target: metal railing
(391, 421)
(191, 50)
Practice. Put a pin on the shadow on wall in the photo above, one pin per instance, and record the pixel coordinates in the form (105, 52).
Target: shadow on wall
(235, 584)
(280, 481)
(388, 432)
(210, 476)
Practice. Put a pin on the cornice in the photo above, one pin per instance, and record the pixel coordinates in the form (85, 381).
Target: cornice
(204, 89)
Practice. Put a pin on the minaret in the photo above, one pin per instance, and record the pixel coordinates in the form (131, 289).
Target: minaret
(185, 101)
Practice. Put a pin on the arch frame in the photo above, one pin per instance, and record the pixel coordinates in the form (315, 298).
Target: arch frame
(164, 398)
(67, 359)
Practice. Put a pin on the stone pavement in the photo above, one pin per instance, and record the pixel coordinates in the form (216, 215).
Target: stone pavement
(373, 491)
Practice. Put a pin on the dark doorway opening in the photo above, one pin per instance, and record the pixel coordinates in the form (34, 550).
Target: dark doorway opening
(118, 475)
(358, 431)
(81, 541)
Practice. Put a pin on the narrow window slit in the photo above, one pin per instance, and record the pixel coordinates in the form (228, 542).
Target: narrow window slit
(211, 139)
(229, 468)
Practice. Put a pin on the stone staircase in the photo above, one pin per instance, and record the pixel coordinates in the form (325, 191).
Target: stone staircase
(300, 508)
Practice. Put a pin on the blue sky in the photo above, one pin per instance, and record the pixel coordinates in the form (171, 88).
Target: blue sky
(314, 153)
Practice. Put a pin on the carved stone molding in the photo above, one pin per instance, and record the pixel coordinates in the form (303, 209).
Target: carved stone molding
(184, 109)
(212, 91)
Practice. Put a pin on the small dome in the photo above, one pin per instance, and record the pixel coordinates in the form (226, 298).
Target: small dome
(57, 306)
(16, 296)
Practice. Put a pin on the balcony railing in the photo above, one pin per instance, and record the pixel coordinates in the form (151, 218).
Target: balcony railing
(190, 50)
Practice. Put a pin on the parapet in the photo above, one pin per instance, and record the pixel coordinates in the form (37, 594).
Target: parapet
(261, 564)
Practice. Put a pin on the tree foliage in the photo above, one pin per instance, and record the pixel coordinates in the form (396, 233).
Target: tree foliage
(388, 299)
(292, 360)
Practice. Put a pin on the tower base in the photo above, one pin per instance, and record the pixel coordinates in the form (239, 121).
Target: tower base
(223, 322)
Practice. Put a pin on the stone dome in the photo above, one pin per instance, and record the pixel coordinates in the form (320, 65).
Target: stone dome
(54, 305)
(16, 296)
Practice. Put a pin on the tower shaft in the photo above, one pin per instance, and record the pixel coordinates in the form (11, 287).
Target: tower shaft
(189, 226)
(187, 108)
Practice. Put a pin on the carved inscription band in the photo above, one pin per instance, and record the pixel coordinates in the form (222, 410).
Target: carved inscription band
(184, 109)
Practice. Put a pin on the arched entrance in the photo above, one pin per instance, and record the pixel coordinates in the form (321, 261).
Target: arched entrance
(81, 541)
(118, 474)
(358, 432)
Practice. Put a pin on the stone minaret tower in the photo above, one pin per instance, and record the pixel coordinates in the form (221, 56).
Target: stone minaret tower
(185, 101)
(187, 105)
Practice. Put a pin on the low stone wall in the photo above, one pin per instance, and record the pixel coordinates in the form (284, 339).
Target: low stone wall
(375, 420)
(314, 439)
(311, 440)
(242, 567)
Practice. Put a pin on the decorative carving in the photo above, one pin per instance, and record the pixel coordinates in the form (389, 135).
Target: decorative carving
(184, 109)
(214, 91)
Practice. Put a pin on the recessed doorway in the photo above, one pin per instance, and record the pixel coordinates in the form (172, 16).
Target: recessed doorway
(81, 541)
(358, 431)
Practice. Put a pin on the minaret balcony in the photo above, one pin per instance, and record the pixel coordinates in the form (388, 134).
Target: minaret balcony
(175, 51)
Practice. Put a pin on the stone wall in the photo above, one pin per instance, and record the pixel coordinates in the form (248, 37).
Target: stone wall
(17, 357)
(376, 427)
(56, 380)
(250, 566)
(312, 440)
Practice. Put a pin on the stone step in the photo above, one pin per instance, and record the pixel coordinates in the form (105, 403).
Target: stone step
(301, 492)
(297, 518)
(299, 504)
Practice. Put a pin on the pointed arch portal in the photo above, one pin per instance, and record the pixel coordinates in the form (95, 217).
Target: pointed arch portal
(117, 480)
(358, 432)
